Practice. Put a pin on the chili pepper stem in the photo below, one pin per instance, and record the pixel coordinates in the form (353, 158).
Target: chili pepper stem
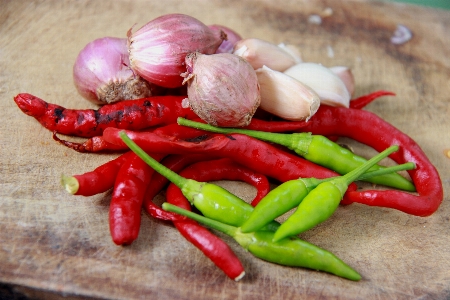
(398, 168)
(70, 184)
(356, 173)
(173, 177)
(302, 140)
(222, 227)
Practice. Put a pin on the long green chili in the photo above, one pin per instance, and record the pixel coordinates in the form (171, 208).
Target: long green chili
(288, 252)
(290, 194)
(321, 202)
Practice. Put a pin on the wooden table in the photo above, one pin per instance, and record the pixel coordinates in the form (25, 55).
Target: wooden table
(56, 245)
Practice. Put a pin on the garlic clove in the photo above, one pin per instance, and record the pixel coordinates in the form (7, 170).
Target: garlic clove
(286, 97)
(262, 53)
(293, 51)
(330, 88)
(346, 75)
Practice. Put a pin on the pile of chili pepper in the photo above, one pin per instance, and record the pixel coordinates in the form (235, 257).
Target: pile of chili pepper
(193, 157)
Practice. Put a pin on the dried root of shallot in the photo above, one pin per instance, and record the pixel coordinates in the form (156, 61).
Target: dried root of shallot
(233, 37)
(223, 89)
(102, 73)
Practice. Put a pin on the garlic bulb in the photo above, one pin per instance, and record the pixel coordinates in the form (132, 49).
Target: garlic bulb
(330, 88)
(285, 96)
(262, 53)
(223, 89)
(159, 48)
(346, 75)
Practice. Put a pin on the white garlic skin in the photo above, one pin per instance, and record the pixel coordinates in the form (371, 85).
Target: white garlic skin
(261, 53)
(223, 89)
(346, 75)
(330, 88)
(286, 97)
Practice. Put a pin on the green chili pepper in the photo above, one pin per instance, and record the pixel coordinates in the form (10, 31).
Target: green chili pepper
(212, 200)
(291, 193)
(323, 200)
(288, 252)
(315, 148)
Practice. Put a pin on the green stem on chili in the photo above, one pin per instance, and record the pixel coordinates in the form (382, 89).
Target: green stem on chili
(315, 148)
(288, 252)
(321, 202)
(212, 200)
(291, 193)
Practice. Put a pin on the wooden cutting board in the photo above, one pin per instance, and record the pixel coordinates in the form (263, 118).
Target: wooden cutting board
(55, 245)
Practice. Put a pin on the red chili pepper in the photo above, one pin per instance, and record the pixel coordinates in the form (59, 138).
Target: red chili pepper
(221, 169)
(131, 114)
(91, 145)
(252, 153)
(227, 169)
(211, 245)
(368, 128)
(361, 102)
(175, 163)
(97, 181)
(98, 144)
(126, 201)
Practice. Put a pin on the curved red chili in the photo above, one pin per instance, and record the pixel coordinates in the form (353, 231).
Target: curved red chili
(91, 145)
(175, 163)
(126, 201)
(97, 181)
(131, 114)
(362, 101)
(252, 153)
(368, 128)
(221, 169)
(211, 245)
(227, 169)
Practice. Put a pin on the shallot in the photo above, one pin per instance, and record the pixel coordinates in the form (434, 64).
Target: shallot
(158, 49)
(223, 89)
(102, 73)
(232, 38)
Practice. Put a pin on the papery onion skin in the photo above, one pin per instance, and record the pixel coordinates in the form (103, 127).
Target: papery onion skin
(223, 89)
(102, 73)
(232, 38)
(159, 48)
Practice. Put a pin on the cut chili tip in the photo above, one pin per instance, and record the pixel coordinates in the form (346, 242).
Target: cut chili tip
(70, 184)
(240, 276)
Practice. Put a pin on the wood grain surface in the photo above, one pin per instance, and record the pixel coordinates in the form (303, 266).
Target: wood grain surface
(55, 245)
